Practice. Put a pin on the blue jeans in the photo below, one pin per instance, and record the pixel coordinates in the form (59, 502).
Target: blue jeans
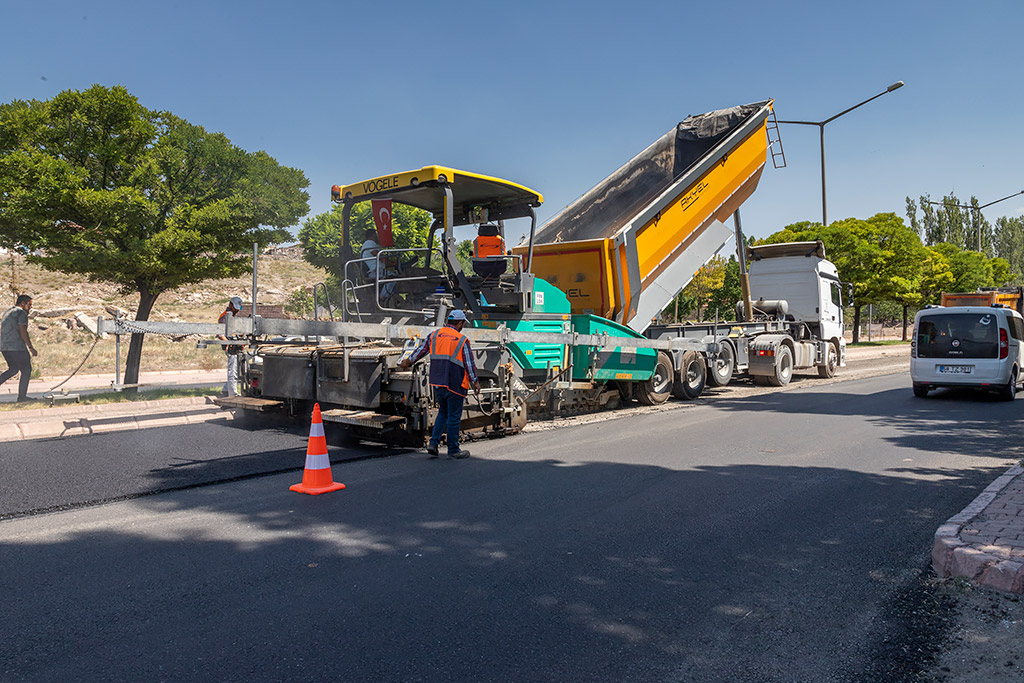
(449, 416)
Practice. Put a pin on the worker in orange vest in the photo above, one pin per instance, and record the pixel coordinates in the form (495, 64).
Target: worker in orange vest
(452, 372)
(489, 242)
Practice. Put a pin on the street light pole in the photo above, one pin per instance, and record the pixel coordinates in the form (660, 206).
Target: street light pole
(978, 209)
(821, 130)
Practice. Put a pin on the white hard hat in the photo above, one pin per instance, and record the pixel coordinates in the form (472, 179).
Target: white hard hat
(457, 314)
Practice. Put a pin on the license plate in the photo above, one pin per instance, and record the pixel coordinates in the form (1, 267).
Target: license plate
(956, 369)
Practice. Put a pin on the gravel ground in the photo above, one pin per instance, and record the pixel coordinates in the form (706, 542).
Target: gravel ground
(984, 643)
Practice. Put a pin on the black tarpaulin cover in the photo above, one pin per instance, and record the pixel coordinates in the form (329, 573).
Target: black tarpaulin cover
(609, 205)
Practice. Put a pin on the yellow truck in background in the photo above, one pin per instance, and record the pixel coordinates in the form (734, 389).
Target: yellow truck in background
(1011, 297)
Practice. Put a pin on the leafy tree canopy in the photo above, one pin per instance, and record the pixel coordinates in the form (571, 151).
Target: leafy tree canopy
(102, 186)
(321, 235)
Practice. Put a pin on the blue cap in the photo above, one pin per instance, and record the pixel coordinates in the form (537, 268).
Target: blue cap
(456, 315)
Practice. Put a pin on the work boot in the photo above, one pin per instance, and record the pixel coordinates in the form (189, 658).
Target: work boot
(459, 454)
(432, 450)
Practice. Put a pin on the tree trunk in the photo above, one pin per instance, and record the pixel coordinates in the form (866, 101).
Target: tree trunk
(905, 323)
(856, 323)
(134, 360)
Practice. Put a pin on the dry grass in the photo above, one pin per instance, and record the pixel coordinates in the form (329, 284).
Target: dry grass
(62, 349)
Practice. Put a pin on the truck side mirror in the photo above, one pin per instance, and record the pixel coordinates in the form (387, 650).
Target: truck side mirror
(849, 294)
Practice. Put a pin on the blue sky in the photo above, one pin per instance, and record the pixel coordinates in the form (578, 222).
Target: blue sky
(557, 95)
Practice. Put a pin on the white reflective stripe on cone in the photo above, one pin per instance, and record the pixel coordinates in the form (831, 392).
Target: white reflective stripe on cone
(316, 429)
(317, 462)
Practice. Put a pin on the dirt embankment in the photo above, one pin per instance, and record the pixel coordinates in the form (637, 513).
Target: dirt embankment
(65, 305)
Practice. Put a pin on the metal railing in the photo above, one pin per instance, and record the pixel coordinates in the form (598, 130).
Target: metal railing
(386, 279)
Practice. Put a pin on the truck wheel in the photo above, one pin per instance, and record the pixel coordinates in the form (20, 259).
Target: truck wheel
(783, 368)
(658, 388)
(721, 368)
(921, 390)
(692, 377)
(831, 362)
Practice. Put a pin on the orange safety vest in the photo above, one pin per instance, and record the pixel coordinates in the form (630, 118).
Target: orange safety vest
(446, 367)
(488, 245)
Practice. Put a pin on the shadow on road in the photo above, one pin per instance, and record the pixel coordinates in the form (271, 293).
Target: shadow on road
(556, 568)
(957, 421)
(484, 569)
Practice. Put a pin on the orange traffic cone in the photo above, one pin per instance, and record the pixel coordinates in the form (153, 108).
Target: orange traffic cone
(316, 478)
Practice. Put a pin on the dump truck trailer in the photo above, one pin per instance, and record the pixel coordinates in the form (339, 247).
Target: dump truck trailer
(1011, 297)
(627, 247)
(794, 322)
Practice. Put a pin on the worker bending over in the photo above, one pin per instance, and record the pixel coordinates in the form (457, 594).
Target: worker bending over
(489, 242)
(451, 373)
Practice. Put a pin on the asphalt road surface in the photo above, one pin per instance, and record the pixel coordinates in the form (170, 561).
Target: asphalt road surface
(777, 536)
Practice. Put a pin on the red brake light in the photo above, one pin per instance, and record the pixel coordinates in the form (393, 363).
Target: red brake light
(1004, 343)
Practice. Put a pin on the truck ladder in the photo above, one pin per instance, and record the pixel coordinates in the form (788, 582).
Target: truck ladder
(775, 140)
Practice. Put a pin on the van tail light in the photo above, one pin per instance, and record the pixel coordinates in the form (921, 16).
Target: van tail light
(1004, 343)
(913, 344)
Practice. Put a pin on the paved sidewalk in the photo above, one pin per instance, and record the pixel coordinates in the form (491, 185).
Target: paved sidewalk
(985, 541)
(86, 384)
(81, 420)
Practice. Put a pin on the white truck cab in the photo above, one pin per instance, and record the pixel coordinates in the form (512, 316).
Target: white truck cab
(799, 274)
(967, 346)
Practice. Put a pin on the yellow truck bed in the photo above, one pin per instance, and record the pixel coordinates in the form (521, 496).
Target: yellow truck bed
(628, 246)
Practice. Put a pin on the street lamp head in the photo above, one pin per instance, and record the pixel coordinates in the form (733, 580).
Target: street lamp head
(895, 86)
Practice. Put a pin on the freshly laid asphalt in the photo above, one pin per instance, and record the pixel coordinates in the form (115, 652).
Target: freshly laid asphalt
(778, 536)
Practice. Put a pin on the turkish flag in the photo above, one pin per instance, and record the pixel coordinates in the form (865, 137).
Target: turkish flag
(382, 219)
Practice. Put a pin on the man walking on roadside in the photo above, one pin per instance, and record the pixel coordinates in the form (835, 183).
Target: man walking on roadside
(451, 373)
(15, 346)
(232, 350)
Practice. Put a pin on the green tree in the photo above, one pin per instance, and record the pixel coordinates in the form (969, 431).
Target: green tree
(936, 277)
(321, 235)
(102, 186)
(724, 298)
(1009, 244)
(705, 281)
(970, 269)
(881, 256)
(952, 222)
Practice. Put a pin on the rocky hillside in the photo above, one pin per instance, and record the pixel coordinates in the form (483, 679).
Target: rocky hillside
(63, 306)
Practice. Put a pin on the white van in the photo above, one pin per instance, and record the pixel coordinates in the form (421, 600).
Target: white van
(967, 346)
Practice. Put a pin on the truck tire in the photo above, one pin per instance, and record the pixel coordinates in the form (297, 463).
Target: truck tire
(831, 362)
(721, 368)
(783, 367)
(1009, 392)
(692, 377)
(658, 388)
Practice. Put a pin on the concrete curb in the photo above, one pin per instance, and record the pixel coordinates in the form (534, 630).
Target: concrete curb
(64, 422)
(989, 552)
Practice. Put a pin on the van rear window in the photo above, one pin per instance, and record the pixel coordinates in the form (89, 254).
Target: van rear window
(974, 335)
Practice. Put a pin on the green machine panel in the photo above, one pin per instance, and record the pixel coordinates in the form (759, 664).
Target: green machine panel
(635, 365)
